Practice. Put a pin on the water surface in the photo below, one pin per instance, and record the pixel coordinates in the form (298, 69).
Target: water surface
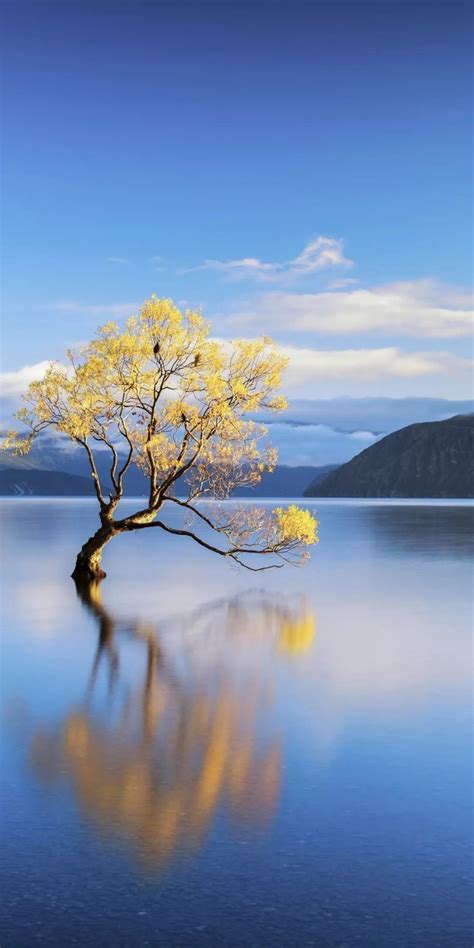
(198, 755)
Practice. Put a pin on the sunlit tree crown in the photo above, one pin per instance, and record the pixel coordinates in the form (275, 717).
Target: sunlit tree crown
(162, 394)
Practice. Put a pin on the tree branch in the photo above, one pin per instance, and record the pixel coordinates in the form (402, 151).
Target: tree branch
(233, 553)
(95, 476)
(113, 468)
(194, 510)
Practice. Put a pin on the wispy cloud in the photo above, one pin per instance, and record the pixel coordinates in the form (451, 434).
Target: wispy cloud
(319, 254)
(341, 283)
(157, 261)
(417, 308)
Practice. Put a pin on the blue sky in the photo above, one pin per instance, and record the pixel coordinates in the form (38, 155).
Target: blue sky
(301, 169)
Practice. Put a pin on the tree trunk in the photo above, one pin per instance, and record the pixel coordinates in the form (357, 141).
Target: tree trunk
(87, 568)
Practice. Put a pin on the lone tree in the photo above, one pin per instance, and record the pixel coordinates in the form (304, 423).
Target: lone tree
(163, 395)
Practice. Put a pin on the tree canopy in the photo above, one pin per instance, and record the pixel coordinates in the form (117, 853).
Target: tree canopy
(162, 394)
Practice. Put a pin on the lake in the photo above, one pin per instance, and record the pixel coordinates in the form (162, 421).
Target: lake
(201, 756)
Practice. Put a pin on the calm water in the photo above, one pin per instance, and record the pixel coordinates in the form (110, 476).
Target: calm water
(206, 757)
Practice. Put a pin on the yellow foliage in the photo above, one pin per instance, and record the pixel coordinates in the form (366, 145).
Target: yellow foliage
(296, 524)
(161, 394)
(297, 633)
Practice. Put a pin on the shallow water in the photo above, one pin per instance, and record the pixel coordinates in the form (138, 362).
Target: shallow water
(205, 756)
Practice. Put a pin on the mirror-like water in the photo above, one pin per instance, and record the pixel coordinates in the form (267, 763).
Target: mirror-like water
(195, 755)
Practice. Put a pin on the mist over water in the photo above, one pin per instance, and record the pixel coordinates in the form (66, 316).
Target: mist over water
(198, 755)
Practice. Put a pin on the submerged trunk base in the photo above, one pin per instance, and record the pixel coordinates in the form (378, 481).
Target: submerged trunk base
(85, 572)
(88, 568)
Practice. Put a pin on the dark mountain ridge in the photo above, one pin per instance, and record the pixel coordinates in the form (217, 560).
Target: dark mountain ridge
(428, 459)
(27, 482)
(50, 455)
(26, 479)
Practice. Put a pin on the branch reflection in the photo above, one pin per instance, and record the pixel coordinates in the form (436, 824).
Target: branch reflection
(154, 764)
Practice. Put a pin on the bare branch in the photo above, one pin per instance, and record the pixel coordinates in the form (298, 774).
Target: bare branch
(232, 553)
(194, 510)
(95, 475)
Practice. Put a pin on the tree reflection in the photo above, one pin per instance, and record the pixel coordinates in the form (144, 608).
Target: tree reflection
(157, 765)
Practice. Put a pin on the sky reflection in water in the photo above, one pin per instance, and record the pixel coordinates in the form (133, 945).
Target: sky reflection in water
(207, 756)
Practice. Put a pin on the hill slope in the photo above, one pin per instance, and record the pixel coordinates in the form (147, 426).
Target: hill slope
(23, 476)
(432, 459)
(22, 481)
(286, 481)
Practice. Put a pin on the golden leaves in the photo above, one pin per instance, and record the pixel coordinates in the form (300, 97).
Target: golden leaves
(163, 395)
(17, 444)
(296, 524)
(119, 381)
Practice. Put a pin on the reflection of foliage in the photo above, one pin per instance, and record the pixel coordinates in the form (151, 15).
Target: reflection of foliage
(297, 634)
(257, 616)
(162, 789)
(162, 763)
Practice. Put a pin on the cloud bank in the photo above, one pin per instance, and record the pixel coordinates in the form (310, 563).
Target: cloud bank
(317, 444)
(13, 384)
(417, 308)
(387, 371)
(315, 373)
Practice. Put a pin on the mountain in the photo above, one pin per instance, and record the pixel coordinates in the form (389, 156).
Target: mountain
(431, 459)
(52, 471)
(23, 481)
(286, 481)
(50, 455)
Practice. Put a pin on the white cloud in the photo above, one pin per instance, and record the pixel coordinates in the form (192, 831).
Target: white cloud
(119, 260)
(244, 268)
(368, 365)
(327, 373)
(374, 414)
(352, 363)
(373, 372)
(386, 371)
(418, 308)
(317, 444)
(13, 384)
(318, 254)
(365, 436)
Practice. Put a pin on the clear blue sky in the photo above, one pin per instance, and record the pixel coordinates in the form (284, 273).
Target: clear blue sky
(220, 132)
